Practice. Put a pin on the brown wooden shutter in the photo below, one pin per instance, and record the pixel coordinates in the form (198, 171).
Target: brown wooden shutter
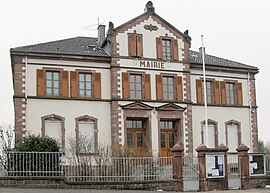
(159, 47)
(159, 89)
(132, 44)
(125, 85)
(199, 91)
(147, 87)
(65, 84)
(40, 82)
(179, 88)
(175, 49)
(239, 94)
(74, 91)
(217, 92)
(97, 85)
(139, 45)
(223, 92)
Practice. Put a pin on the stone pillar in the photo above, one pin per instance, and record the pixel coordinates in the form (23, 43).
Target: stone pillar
(244, 162)
(201, 159)
(206, 184)
(178, 164)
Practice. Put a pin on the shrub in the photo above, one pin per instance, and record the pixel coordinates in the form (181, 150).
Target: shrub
(37, 143)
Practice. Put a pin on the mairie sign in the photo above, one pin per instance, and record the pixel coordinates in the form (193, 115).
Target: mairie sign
(151, 64)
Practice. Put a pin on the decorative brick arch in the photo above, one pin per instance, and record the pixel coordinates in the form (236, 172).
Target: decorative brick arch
(54, 117)
(233, 122)
(210, 122)
(86, 118)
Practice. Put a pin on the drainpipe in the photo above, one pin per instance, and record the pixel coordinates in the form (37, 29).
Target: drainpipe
(250, 113)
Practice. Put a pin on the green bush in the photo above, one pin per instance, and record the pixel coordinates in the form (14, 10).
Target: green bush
(37, 143)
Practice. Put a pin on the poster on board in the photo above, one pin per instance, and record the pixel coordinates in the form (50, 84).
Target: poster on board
(214, 165)
(256, 164)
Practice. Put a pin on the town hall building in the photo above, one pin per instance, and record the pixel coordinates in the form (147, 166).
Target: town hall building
(136, 85)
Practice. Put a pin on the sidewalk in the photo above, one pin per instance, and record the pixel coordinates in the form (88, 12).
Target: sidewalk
(22, 190)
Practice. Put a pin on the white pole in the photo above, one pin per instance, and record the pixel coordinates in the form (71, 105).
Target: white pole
(205, 98)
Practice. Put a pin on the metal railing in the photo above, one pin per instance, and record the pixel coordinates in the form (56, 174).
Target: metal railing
(233, 166)
(93, 169)
(85, 168)
(31, 164)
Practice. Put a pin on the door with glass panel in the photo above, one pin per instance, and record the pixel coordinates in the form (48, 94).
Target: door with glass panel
(168, 137)
(136, 135)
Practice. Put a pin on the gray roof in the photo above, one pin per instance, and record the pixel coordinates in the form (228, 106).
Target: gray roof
(88, 46)
(196, 58)
(85, 46)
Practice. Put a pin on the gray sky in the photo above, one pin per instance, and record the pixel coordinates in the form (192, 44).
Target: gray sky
(233, 29)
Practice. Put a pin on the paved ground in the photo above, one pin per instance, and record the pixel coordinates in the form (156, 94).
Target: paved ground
(20, 190)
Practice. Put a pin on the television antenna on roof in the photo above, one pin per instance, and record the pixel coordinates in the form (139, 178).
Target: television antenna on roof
(93, 26)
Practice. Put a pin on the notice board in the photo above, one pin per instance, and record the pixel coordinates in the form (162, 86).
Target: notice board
(256, 164)
(214, 165)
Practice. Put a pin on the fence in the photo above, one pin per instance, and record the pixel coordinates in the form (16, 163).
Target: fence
(86, 168)
(233, 166)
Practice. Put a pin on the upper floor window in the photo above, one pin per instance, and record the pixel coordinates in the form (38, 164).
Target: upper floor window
(135, 82)
(85, 84)
(52, 83)
(135, 45)
(230, 93)
(168, 87)
(167, 48)
(136, 86)
(209, 92)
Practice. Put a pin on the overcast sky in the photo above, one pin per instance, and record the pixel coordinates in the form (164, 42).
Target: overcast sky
(233, 29)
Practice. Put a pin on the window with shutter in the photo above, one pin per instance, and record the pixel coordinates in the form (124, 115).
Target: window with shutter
(199, 91)
(179, 88)
(159, 89)
(167, 48)
(231, 93)
(125, 85)
(135, 42)
(147, 87)
(40, 82)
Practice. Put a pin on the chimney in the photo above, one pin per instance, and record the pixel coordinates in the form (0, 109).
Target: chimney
(149, 7)
(200, 50)
(101, 33)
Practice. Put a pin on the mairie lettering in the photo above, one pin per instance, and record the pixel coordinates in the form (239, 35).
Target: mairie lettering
(151, 64)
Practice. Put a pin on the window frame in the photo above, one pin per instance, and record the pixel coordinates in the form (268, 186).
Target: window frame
(135, 83)
(210, 122)
(135, 131)
(54, 117)
(92, 73)
(212, 91)
(60, 80)
(166, 40)
(173, 86)
(234, 83)
(86, 118)
(239, 132)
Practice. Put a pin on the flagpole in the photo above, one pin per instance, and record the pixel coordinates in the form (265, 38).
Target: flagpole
(205, 97)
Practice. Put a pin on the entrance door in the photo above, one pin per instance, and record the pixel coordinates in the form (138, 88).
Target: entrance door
(167, 137)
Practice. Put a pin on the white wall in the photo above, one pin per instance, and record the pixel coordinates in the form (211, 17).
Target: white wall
(37, 108)
(221, 115)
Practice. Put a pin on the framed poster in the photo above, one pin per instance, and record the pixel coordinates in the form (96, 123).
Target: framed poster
(214, 164)
(257, 164)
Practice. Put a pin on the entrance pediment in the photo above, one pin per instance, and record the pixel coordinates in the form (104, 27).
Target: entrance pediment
(137, 106)
(170, 107)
